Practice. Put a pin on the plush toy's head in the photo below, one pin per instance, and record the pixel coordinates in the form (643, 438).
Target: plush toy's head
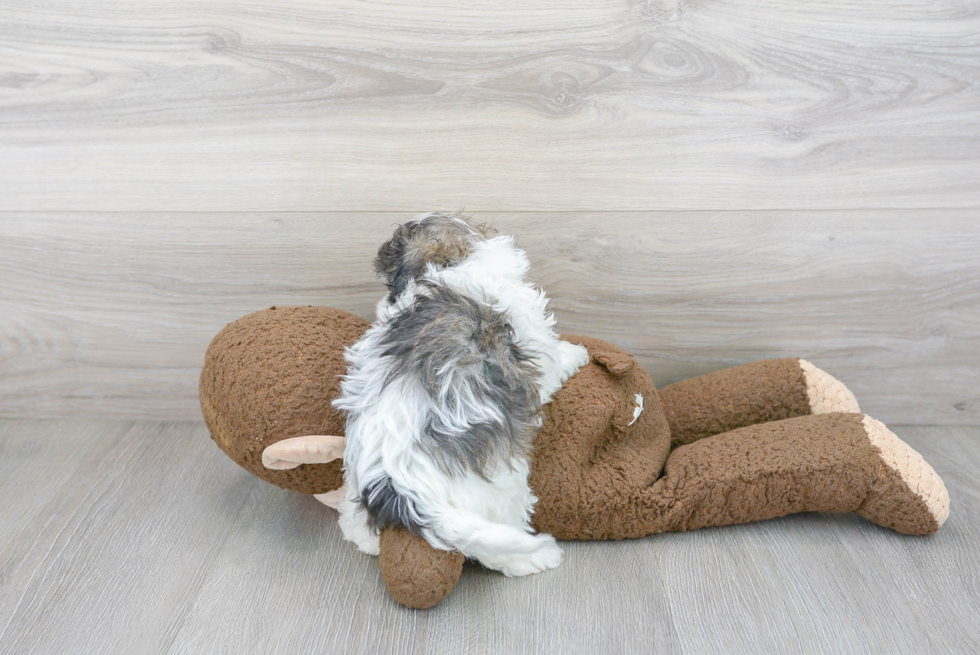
(270, 376)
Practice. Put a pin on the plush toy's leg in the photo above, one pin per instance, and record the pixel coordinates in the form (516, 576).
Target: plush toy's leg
(826, 463)
(768, 390)
(416, 574)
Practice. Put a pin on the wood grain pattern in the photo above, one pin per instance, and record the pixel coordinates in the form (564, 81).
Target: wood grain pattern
(512, 105)
(955, 457)
(702, 183)
(109, 315)
(128, 530)
(157, 543)
(37, 462)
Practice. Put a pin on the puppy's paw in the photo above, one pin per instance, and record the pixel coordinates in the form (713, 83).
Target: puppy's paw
(354, 525)
(573, 358)
(366, 540)
(370, 544)
(547, 556)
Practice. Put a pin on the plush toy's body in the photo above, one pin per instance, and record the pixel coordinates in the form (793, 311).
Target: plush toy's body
(615, 457)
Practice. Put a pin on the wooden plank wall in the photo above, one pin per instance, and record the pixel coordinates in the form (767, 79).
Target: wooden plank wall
(704, 183)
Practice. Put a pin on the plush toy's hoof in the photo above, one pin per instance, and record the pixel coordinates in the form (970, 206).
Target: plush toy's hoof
(416, 574)
(826, 393)
(908, 496)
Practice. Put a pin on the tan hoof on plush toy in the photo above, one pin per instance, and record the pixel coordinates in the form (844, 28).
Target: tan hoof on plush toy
(417, 575)
(826, 393)
(907, 495)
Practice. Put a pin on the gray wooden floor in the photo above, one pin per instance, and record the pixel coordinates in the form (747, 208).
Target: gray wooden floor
(133, 537)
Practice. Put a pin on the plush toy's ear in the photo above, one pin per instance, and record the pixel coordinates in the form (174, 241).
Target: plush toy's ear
(617, 363)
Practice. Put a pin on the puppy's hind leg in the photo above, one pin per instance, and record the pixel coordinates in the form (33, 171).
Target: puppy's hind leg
(355, 526)
(497, 546)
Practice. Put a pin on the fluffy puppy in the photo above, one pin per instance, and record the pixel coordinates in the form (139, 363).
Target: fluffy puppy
(443, 396)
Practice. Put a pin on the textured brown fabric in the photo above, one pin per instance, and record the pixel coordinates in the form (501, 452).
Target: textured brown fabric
(890, 503)
(270, 376)
(416, 574)
(768, 390)
(822, 463)
(596, 478)
(586, 453)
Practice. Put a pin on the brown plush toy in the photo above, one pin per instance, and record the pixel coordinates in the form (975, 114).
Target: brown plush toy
(614, 459)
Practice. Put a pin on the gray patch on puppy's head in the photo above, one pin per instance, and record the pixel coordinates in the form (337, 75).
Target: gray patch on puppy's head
(440, 239)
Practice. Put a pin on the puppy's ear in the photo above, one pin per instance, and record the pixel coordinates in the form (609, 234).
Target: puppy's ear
(394, 264)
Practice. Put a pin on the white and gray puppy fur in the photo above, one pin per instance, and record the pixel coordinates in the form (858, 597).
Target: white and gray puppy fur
(443, 396)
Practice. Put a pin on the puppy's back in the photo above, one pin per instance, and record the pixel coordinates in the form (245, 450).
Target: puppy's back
(458, 360)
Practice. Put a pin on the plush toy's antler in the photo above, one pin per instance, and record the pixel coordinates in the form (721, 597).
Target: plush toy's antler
(311, 449)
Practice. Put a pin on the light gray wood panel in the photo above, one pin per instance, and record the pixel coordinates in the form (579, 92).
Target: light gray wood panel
(818, 583)
(286, 582)
(109, 315)
(39, 476)
(954, 451)
(113, 561)
(163, 545)
(509, 105)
